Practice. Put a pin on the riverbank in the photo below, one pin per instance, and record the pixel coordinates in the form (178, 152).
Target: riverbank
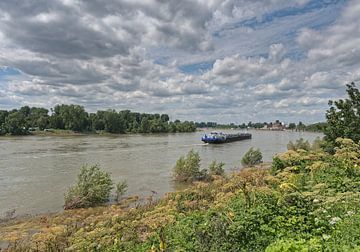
(306, 201)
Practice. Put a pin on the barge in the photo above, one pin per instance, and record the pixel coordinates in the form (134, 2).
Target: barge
(219, 137)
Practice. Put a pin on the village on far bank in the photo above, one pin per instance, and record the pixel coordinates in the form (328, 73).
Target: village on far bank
(272, 126)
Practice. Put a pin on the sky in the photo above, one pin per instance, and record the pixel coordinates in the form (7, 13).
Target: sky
(201, 60)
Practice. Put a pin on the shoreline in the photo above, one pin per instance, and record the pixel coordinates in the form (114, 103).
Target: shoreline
(64, 133)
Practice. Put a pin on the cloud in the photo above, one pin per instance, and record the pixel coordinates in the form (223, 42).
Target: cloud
(196, 60)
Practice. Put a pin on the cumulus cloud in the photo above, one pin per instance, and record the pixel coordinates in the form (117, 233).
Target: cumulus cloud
(265, 59)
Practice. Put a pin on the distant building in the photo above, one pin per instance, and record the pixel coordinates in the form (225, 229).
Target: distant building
(277, 125)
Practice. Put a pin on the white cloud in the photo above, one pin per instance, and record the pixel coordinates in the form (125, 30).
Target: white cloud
(127, 54)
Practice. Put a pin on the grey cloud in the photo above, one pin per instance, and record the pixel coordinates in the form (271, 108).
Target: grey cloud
(102, 54)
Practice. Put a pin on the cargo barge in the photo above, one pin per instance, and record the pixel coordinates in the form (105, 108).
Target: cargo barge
(219, 137)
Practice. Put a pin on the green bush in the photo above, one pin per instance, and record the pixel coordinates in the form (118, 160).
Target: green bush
(299, 144)
(216, 168)
(121, 189)
(92, 188)
(187, 168)
(252, 157)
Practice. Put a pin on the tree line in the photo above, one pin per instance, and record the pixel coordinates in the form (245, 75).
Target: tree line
(74, 117)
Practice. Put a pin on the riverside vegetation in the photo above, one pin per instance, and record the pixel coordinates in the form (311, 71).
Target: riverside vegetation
(66, 118)
(305, 200)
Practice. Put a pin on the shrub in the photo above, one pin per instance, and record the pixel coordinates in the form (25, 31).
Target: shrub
(318, 144)
(187, 168)
(299, 144)
(92, 188)
(216, 168)
(252, 157)
(121, 188)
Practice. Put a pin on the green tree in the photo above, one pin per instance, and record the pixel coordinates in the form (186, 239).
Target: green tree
(15, 124)
(92, 188)
(252, 157)
(70, 117)
(114, 122)
(216, 168)
(300, 126)
(292, 126)
(145, 125)
(299, 144)
(121, 189)
(164, 118)
(187, 168)
(343, 117)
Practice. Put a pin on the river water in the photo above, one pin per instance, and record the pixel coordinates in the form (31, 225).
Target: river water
(35, 171)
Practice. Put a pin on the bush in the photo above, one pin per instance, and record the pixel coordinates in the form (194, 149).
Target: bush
(299, 144)
(92, 188)
(187, 168)
(216, 168)
(318, 144)
(252, 157)
(121, 189)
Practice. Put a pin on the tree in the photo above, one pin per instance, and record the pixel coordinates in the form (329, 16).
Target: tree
(70, 117)
(343, 117)
(292, 126)
(187, 168)
(216, 168)
(299, 144)
(252, 157)
(164, 118)
(300, 126)
(92, 188)
(114, 122)
(15, 124)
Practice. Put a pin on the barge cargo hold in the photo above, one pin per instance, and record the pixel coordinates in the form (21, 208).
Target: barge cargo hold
(219, 137)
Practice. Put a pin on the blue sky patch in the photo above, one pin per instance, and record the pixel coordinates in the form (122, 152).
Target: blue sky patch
(8, 71)
(197, 68)
(313, 5)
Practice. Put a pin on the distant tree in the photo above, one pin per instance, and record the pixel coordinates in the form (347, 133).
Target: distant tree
(70, 117)
(317, 127)
(114, 122)
(15, 124)
(300, 126)
(343, 117)
(164, 118)
(145, 125)
(25, 111)
(292, 126)
(3, 115)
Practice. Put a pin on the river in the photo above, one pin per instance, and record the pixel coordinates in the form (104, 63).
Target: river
(35, 171)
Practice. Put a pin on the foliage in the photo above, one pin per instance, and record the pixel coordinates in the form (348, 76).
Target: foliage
(252, 157)
(75, 118)
(216, 168)
(343, 117)
(92, 188)
(187, 168)
(292, 126)
(121, 188)
(299, 144)
(317, 127)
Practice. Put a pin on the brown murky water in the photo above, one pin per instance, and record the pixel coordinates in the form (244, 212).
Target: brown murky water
(36, 171)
